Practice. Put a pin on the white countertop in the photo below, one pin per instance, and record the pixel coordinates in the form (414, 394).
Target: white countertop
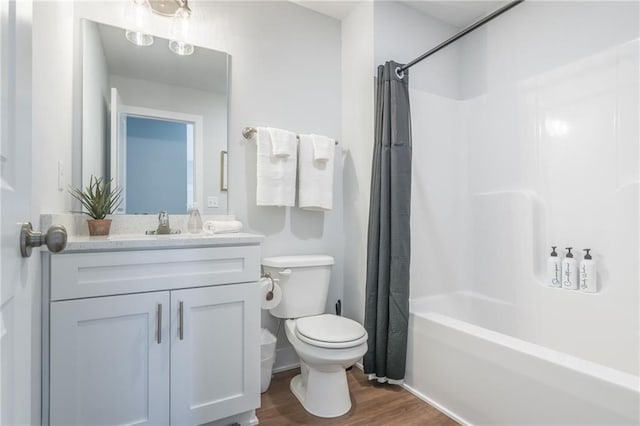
(151, 242)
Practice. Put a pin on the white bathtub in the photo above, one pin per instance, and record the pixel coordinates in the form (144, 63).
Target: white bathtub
(482, 377)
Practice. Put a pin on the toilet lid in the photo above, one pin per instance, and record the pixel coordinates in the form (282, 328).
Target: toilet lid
(330, 331)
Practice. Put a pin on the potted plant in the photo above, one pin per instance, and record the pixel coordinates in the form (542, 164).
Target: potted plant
(99, 200)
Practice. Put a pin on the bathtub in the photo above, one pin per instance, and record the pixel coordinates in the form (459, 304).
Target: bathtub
(459, 364)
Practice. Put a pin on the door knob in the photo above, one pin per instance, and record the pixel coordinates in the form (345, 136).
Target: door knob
(55, 239)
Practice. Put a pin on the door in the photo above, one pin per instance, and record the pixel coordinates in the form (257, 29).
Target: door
(20, 279)
(215, 352)
(110, 360)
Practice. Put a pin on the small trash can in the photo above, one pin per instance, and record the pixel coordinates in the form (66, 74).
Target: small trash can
(267, 358)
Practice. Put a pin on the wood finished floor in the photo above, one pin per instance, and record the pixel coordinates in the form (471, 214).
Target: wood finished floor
(372, 404)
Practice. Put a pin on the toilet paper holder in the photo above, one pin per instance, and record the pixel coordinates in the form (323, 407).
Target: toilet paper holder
(273, 280)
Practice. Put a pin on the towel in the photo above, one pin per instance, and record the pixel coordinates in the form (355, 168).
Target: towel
(323, 148)
(283, 142)
(222, 226)
(276, 183)
(315, 178)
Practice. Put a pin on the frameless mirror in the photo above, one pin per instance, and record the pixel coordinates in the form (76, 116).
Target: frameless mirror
(155, 122)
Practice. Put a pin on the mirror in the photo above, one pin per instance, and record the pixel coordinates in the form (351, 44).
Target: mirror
(154, 122)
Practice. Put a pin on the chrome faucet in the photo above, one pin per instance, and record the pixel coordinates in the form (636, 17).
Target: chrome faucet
(163, 223)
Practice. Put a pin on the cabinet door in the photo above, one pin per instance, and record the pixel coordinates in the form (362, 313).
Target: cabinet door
(215, 352)
(108, 366)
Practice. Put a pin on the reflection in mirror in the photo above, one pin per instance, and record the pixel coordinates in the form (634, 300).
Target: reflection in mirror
(154, 122)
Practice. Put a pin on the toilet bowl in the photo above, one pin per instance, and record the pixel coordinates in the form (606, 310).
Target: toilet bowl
(321, 387)
(326, 344)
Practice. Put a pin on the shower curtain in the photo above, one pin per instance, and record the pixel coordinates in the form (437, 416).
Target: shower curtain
(389, 237)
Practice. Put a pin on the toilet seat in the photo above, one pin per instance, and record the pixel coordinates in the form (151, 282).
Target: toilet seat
(330, 331)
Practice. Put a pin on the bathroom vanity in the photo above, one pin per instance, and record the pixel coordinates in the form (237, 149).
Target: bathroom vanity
(154, 330)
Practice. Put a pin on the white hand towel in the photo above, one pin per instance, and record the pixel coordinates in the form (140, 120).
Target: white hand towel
(222, 226)
(323, 147)
(315, 178)
(276, 185)
(283, 142)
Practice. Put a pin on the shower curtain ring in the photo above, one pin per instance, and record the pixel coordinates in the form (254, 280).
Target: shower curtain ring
(399, 73)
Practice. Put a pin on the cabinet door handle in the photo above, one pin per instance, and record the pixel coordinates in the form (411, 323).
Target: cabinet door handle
(159, 323)
(181, 320)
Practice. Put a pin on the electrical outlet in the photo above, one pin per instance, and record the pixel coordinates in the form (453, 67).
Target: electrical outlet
(212, 202)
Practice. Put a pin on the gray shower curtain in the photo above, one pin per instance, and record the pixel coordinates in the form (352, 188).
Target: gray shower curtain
(389, 238)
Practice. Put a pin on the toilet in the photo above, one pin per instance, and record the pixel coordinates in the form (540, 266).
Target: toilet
(326, 344)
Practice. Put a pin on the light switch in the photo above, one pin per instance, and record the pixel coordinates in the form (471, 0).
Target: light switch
(60, 176)
(212, 202)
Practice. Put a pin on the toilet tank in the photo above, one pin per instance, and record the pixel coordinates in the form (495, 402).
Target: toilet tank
(304, 281)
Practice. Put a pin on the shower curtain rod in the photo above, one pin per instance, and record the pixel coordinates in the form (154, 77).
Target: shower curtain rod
(467, 30)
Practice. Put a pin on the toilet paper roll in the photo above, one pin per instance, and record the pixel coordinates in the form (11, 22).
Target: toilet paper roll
(265, 287)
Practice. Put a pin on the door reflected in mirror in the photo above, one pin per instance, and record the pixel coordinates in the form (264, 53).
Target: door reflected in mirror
(159, 154)
(154, 121)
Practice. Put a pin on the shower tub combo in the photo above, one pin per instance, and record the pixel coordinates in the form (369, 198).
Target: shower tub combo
(458, 362)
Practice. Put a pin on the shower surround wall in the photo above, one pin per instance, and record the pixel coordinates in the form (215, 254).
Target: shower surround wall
(551, 113)
(539, 146)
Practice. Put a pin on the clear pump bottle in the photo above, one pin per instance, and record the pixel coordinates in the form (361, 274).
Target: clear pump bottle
(194, 225)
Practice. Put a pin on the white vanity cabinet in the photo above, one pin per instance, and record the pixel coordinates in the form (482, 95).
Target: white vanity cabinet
(214, 350)
(180, 348)
(107, 366)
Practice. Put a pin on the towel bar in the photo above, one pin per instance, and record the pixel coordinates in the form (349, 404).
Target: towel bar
(250, 132)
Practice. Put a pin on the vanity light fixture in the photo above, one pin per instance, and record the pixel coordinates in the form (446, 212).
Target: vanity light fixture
(178, 10)
(137, 17)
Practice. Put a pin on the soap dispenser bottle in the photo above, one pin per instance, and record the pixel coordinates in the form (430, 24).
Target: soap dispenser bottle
(194, 225)
(588, 273)
(554, 269)
(569, 271)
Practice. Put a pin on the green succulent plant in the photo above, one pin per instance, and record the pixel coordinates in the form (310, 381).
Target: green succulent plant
(98, 198)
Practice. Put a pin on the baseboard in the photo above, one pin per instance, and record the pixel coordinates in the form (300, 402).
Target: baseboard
(436, 405)
(248, 418)
(286, 367)
(286, 359)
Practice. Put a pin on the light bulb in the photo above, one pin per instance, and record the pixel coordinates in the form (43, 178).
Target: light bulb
(180, 33)
(180, 24)
(181, 48)
(139, 38)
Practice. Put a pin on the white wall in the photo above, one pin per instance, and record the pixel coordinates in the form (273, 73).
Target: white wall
(211, 106)
(285, 72)
(403, 33)
(53, 108)
(358, 88)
